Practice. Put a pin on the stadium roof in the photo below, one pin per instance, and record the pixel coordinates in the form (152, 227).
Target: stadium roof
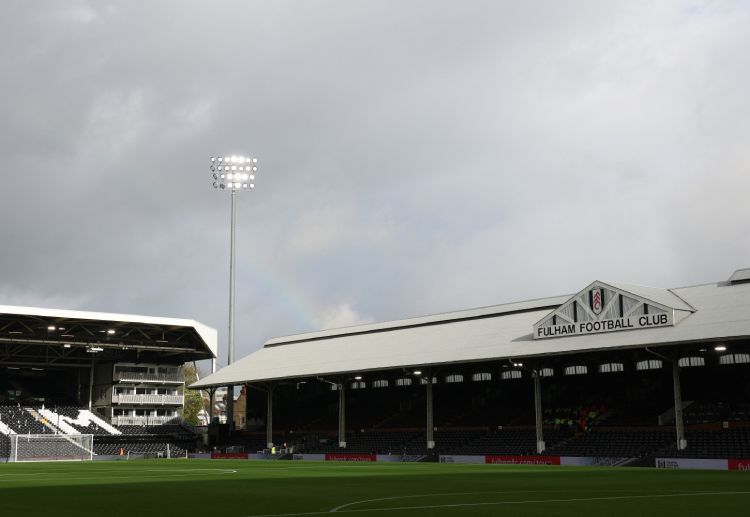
(26, 332)
(711, 312)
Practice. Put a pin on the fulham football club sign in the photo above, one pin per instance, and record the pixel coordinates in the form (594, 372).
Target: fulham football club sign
(604, 308)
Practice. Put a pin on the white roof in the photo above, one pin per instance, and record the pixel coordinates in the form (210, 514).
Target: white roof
(207, 334)
(741, 275)
(716, 312)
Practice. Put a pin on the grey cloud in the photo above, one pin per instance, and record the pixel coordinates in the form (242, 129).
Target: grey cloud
(415, 156)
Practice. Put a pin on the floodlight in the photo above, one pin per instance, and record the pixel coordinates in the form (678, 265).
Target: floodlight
(720, 348)
(358, 378)
(417, 372)
(51, 328)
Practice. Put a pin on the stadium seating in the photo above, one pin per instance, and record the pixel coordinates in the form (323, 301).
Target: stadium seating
(718, 443)
(108, 439)
(616, 443)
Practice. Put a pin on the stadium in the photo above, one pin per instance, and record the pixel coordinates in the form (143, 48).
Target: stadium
(615, 374)
(116, 379)
(528, 408)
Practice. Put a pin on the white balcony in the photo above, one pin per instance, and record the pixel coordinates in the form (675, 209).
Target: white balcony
(145, 420)
(162, 378)
(174, 400)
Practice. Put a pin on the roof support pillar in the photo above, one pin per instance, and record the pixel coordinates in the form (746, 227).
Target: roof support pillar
(342, 414)
(230, 409)
(91, 384)
(539, 417)
(269, 418)
(430, 424)
(678, 423)
(211, 404)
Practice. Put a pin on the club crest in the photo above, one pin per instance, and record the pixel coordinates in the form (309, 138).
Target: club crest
(597, 301)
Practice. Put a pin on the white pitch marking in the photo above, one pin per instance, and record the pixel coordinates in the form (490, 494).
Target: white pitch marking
(338, 508)
(499, 503)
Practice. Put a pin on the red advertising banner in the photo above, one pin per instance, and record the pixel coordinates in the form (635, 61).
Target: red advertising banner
(229, 455)
(522, 460)
(739, 464)
(347, 456)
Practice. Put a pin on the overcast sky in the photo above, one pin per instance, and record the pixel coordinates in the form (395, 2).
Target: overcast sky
(415, 156)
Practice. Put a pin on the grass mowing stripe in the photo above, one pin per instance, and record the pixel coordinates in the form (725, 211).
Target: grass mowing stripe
(499, 503)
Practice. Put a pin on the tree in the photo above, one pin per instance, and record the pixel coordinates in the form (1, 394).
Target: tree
(193, 398)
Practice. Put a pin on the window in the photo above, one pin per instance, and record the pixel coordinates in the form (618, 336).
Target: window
(482, 376)
(381, 383)
(423, 380)
(734, 359)
(648, 364)
(454, 378)
(687, 362)
(358, 385)
(611, 368)
(578, 369)
(546, 372)
(404, 381)
(510, 374)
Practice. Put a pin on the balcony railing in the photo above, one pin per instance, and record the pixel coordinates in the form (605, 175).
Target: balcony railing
(149, 377)
(145, 420)
(148, 399)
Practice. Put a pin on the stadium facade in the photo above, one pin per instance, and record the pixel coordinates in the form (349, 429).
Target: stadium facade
(126, 369)
(605, 329)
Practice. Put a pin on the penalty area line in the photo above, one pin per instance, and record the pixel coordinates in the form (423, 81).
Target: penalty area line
(501, 503)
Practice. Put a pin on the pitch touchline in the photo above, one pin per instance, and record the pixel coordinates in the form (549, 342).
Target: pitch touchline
(499, 503)
(414, 496)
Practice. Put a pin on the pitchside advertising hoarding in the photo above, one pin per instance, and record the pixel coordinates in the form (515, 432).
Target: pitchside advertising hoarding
(700, 463)
(535, 460)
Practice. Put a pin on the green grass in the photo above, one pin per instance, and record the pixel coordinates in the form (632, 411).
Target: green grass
(225, 488)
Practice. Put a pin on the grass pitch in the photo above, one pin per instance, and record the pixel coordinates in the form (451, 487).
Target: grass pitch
(226, 488)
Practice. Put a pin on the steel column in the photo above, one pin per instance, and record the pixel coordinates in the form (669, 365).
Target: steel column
(91, 384)
(430, 424)
(540, 445)
(230, 355)
(678, 423)
(269, 418)
(342, 415)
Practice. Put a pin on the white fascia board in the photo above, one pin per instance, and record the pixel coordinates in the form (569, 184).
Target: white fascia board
(208, 334)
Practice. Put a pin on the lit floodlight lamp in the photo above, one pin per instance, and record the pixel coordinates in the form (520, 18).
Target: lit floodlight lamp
(51, 328)
(237, 175)
(358, 378)
(110, 331)
(417, 372)
(720, 348)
